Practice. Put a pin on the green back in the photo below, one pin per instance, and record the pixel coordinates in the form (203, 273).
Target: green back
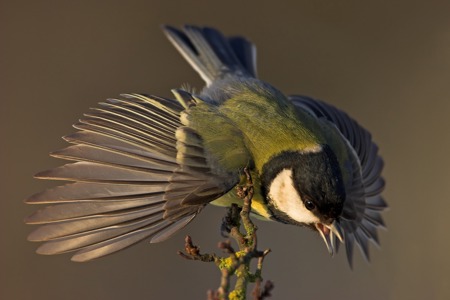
(270, 124)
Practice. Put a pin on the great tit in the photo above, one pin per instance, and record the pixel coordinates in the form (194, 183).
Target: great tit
(144, 166)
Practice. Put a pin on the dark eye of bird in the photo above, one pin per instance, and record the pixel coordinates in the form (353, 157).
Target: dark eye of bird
(309, 205)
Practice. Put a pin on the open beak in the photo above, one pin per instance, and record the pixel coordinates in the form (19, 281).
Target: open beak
(328, 232)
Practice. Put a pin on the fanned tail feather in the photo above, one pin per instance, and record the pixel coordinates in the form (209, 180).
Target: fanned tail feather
(211, 54)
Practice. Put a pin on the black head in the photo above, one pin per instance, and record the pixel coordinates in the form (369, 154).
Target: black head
(304, 187)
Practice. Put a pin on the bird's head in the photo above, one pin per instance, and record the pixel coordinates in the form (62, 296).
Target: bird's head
(306, 188)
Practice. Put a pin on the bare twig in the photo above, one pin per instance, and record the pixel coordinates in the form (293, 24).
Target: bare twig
(265, 293)
(193, 252)
(238, 262)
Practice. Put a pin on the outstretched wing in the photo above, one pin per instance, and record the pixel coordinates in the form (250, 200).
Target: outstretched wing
(361, 216)
(139, 173)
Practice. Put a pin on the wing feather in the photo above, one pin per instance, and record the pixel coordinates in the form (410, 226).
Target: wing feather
(81, 240)
(137, 173)
(89, 153)
(67, 211)
(361, 216)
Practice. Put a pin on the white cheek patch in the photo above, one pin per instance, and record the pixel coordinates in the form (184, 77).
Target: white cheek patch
(286, 198)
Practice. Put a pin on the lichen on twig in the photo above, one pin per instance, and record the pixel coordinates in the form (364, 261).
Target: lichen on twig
(237, 263)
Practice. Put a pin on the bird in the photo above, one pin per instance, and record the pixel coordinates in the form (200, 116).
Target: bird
(141, 167)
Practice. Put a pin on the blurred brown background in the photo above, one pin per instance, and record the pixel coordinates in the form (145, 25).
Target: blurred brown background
(387, 63)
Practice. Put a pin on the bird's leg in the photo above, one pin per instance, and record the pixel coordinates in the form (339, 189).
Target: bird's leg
(231, 219)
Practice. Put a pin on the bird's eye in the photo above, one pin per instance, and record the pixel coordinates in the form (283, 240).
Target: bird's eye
(309, 205)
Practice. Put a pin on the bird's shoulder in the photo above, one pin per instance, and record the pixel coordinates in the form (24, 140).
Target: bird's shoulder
(221, 140)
